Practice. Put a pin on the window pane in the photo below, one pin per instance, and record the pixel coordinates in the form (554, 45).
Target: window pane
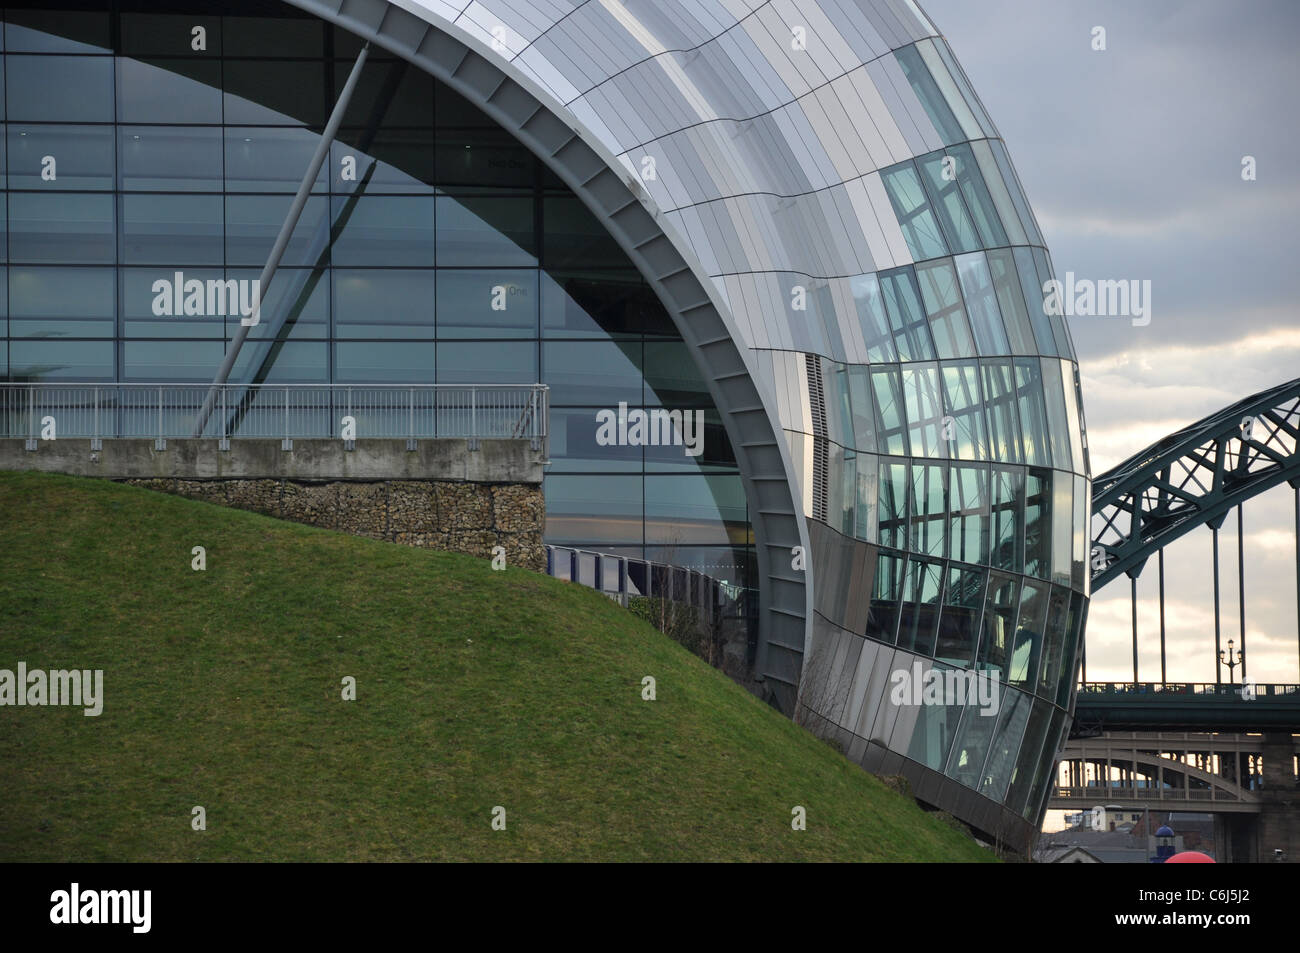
(83, 157)
(487, 303)
(61, 302)
(1000, 401)
(872, 321)
(927, 91)
(574, 447)
(166, 361)
(270, 159)
(672, 378)
(1062, 534)
(275, 92)
(171, 230)
(1038, 523)
(593, 373)
(906, 316)
(484, 159)
(1012, 720)
(685, 509)
(169, 90)
(161, 34)
(920, 609)
(377, 303)
(1058, 424)
(1079, 555)
(384, 231)
(382, 362)
(1011, 302)
(981, 304)
(254, 221)
(971, 746)
(1008, 519)
(487, 362)
(61, 228)
(917, 221)
(1029, 634)
(61, 360)
(607, 507)
(1033, 414)
(891, 422)
(893, 486)
(929, 517)
(1035, 301)
(296, 305)
(938, 281)
(882, 617)
(1003, 598)
(390, 160)
(964, 405)
(991, 176)
(150, 308)
(945, 198)
(924, 410)
(170, 159)
(57, 31)
(493, 230)
(963, 599)
(575, 238)
(1054, 640)
(979, 203)
(968, 514)
(948, 88)
(83, 91)
(297, 362)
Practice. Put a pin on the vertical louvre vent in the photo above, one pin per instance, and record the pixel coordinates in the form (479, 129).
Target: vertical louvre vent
(817, 405)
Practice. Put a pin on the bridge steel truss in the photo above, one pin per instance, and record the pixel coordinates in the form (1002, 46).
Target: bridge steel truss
(1193, 477)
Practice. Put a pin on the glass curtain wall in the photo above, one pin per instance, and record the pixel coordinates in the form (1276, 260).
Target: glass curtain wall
(141, 147)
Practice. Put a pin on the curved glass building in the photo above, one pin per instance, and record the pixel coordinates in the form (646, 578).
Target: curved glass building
(797, 220)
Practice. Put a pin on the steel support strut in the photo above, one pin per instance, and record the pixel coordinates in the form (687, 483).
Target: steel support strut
(286, 232)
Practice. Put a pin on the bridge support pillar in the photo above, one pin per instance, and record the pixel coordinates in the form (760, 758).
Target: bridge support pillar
(1279, 822)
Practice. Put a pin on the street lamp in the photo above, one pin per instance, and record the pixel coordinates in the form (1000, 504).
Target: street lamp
(1230, 661)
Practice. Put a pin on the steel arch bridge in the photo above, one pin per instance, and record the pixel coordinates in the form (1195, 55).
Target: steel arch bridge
(1193, 477)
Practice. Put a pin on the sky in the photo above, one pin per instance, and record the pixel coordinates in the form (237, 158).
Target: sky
(1132, 158)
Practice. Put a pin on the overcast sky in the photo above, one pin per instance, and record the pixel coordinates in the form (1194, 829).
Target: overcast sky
(1132, 160)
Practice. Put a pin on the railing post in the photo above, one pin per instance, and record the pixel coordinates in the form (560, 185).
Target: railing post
(31, 416)
(160, 442)
(535, 442)
(349, 444)
(287, 442)
(410, 419)
(473, 418)
(96, 441)
(224, 443)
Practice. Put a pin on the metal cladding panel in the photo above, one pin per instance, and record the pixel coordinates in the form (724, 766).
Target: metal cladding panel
(772, 167)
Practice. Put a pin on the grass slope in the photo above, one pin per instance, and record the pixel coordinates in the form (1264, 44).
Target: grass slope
(474, 689)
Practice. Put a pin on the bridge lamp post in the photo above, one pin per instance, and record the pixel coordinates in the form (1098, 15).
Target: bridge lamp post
(1231, 662)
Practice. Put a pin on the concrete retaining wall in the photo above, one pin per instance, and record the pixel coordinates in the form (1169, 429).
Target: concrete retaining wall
(442, 495)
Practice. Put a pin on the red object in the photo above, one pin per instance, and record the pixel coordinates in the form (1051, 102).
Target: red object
(1190, 857)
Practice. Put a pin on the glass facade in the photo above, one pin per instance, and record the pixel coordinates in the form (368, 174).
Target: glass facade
(433, 248)
(930, 401)
(958, 455)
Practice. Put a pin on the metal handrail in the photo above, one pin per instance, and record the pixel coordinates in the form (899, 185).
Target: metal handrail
(1260, 689)
(99, 411)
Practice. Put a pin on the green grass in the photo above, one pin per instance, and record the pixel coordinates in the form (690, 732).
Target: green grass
(475, 689)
